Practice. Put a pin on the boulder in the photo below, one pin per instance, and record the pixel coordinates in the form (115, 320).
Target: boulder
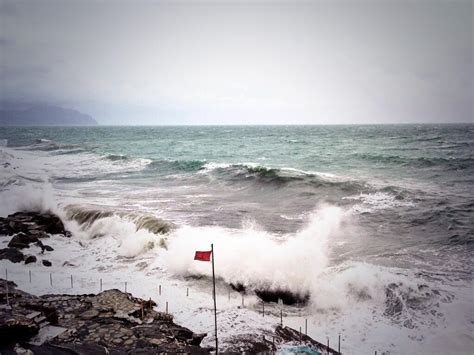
(22, 240)
(12, 254)
(48, 248)
(30, 259)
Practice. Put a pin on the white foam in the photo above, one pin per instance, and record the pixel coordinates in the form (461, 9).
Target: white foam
(254, 257)
(377, 201)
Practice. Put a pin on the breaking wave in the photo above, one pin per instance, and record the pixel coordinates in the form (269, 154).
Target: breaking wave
(87, 217)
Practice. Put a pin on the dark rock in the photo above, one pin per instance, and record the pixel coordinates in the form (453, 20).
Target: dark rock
(12, 254)
(22, 240)
(46, 262)
(34, 223)
(48, 248)
(287, 297)
(30, 259)
(238, 287)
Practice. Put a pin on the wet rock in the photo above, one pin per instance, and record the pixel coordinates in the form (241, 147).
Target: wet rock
(22, 240)
(287, 297)
(12, 254)
(46, 262)
(48, 248)
(33, 223)
(30, 259)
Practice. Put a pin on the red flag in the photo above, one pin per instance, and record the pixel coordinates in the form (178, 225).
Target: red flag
(203, 255)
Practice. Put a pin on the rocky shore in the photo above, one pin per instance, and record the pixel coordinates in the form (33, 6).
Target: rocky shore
(110, 322)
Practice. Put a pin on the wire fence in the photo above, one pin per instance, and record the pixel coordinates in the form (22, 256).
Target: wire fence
(45, 282)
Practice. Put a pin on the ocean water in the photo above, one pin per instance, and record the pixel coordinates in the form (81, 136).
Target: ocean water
(374, 222)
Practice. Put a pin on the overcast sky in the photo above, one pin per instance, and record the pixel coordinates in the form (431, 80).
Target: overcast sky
(261, 62)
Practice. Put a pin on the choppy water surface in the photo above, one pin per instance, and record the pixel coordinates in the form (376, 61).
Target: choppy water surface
(366, 209)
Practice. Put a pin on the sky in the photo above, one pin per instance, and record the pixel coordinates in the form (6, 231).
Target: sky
(234, 62)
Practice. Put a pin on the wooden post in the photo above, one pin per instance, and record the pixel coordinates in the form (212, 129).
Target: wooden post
(159, 290)
(125, 286)
(300, 334)
(29, 273)
(51, 279)
(281, 317)
(214, 293)
(306, 326)
(100, 285)
(328, 346)
(242, 299)
(187, 291)
(6, 284)
(339, 344)
(166, 307)
(72, 282)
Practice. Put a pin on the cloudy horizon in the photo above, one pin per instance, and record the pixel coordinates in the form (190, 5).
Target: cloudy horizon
(305, 62)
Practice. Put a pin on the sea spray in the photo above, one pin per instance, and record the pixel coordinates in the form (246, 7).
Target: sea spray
(256, 258)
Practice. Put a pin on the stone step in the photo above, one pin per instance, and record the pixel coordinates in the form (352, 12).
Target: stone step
(33, 315)
(43, 324)
(39, 319)
(46, 333)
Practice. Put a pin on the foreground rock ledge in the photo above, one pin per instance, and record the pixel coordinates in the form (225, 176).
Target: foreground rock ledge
(111, 322)
(114, 322)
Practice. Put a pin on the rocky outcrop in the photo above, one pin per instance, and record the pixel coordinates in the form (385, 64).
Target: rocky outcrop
(29, 229)
(12, 254)
(34, 224)
(109, 322)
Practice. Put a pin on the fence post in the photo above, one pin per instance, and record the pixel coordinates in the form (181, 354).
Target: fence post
(159, 292)
(72, 282)
(51, 279)
(166, 307)
(328, 346)
(100, 285)
(242, 299)
(306, 326)
(300, 334)
(6, 274)
(281, 317)
(187, 291)
(339, 344)
(125, 286)
(29, 273)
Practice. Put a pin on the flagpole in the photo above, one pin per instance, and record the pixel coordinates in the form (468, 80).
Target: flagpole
(214, 294)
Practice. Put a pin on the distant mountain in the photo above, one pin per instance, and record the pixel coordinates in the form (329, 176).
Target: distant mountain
(41, 115)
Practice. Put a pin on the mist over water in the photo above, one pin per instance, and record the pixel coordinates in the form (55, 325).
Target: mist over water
(361, 218)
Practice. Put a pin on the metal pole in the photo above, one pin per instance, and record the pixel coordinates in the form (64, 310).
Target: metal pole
(214, 293)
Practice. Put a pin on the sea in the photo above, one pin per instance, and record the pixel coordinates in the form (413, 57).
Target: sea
(374, 223)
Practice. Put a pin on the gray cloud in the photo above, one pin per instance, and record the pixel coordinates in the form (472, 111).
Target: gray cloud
(149, 62)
